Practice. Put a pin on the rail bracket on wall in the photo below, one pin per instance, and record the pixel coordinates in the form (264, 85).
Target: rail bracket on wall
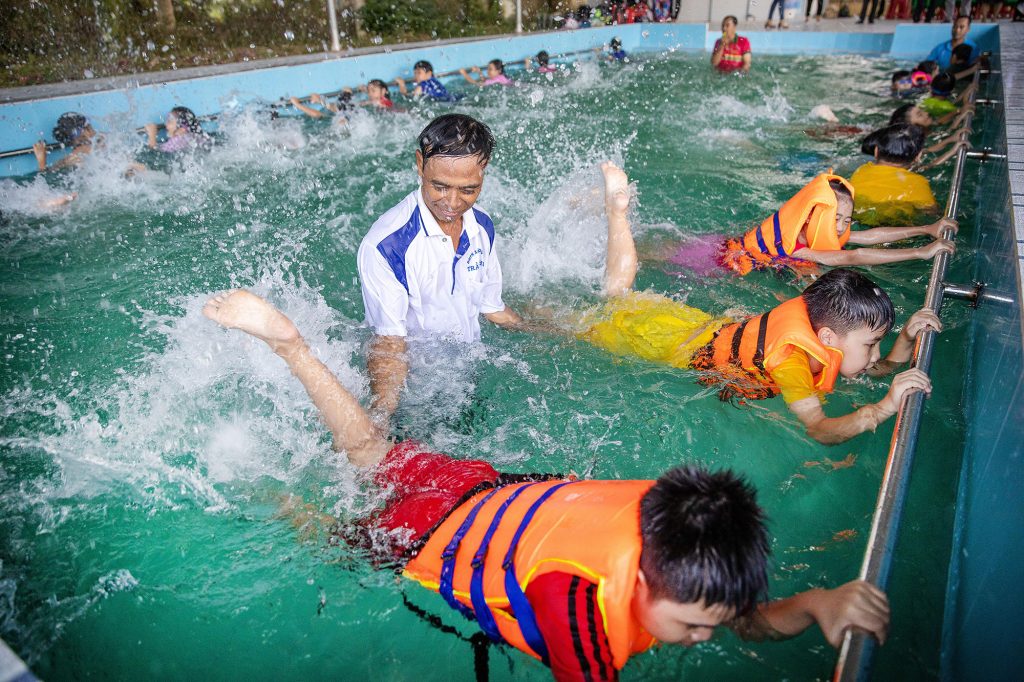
(985, 154)
(975, 294)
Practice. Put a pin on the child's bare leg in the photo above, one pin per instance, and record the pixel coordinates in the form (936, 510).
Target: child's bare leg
(349, 423)
(621, 264)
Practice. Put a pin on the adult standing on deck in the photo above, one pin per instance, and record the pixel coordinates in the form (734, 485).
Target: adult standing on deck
(428, 267)
(732, 52)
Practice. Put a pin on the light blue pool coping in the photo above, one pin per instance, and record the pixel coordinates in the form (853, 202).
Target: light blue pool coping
(28, 114)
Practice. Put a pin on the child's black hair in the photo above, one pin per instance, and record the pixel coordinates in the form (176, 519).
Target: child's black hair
(498, 65)
(380, 84)
(961, 54)
(70, 127)
(187, 119)
(840, 189)
(927, 66)
(733, 19)
(704, 538)
(543, 58)
(943, 84)
(899, 75)
(616, 44)
(844, 300)
(900, 143)
(900, 115)
(456, 135)
(425, 65)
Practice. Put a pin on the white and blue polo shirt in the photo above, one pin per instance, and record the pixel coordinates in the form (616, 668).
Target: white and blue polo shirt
(415, 284)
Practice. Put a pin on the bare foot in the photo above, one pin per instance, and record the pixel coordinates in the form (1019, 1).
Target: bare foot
(616, 188)
(240, 309)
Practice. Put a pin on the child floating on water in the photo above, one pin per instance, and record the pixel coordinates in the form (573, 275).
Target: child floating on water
(426, 84)
(814, 226)
(798, 349)
(495, 74)
(527, 556)
(183, 132)
(886, 192)
(72, 130)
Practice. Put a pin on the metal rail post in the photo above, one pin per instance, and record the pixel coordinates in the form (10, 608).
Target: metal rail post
(332, 19)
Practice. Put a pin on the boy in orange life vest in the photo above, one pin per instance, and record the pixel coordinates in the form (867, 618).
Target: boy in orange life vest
(815, 225)
(676, 557)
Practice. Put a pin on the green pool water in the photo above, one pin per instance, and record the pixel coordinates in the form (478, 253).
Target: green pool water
(144, 452)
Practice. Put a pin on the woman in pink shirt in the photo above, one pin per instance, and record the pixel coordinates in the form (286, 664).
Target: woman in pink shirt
(495, 74)
(732, 52)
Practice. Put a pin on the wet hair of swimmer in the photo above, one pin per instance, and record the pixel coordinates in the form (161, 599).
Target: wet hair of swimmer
(844, 300)
(498, 65)
(899, 143)
(616, 44)
(704, 537)
(928, 66)
(900, 75)
(70, 127)
(840, 189)
(456, 135)
(543, 58)
(187, 119)
(900, 115)
(380, 84)
(424, 65)
(943, 84)
(961, 54)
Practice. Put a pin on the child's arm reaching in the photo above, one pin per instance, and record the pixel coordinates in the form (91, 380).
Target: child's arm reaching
(308, 111)
(885, 235)
(856, 605)
(471, 79)
(876, 256)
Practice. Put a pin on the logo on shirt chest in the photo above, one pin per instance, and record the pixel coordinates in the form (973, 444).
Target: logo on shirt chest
(475, 260)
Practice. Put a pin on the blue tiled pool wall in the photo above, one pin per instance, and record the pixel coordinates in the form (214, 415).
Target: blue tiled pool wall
(22, 123)
(985, 597)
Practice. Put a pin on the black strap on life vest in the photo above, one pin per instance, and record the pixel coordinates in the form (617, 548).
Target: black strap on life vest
(737, 338)
(479, 641)
(762, 332)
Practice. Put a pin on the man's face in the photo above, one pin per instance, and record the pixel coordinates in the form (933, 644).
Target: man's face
(860, 348)
(450, 184)
(420, 75)
(960, 28)
(674, 622)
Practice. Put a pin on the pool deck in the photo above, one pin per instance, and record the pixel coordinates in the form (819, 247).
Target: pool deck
(1012, 64)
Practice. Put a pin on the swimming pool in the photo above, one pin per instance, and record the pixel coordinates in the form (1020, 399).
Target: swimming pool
(145, 452)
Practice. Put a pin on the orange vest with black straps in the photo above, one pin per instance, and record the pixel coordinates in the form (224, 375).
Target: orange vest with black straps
(487, 551)
(760, 344)
(812, 210)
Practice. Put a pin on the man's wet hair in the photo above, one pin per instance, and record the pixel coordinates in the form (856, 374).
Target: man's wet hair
(704, 538)
(543, 58)
(456, 135)
(498, 65)
(844, 300)
(943, 84)
(70, 127)
(423, 64)
(899, 143)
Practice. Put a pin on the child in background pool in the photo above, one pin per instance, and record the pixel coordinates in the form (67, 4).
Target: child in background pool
(939, 102)
(798, 349)
(426, 84)
(615, 52)
(582, 573)
(72, 130)
(183, 132)
(376, 97)
(543, 65)
(731, 52)
(886, 192)
(495, 74)
(814, 226)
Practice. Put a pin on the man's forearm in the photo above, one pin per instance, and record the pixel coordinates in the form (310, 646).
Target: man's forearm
(388, 368)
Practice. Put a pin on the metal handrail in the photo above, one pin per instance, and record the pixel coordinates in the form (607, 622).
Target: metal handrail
(857, 652)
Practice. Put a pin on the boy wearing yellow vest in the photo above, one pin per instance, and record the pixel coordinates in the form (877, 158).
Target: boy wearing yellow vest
(579, 574)
(798, 349)
(815, 225)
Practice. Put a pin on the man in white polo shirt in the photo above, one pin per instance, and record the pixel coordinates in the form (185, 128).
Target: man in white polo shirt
(428, 267)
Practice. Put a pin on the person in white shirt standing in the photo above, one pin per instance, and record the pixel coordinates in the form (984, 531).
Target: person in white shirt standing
(429, 267)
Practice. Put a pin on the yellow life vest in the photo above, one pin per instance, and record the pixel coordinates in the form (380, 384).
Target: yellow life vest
(815, 207)
(487, 551)
(758, 345)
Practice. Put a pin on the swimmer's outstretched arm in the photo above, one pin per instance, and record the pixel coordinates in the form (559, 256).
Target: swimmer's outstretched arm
(471, 79)
(621, 262)
(348, 422)
(885, 235)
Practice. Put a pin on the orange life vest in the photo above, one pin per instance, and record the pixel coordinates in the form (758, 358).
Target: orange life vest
(814, 206)
(485, 553)
(760, 344)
